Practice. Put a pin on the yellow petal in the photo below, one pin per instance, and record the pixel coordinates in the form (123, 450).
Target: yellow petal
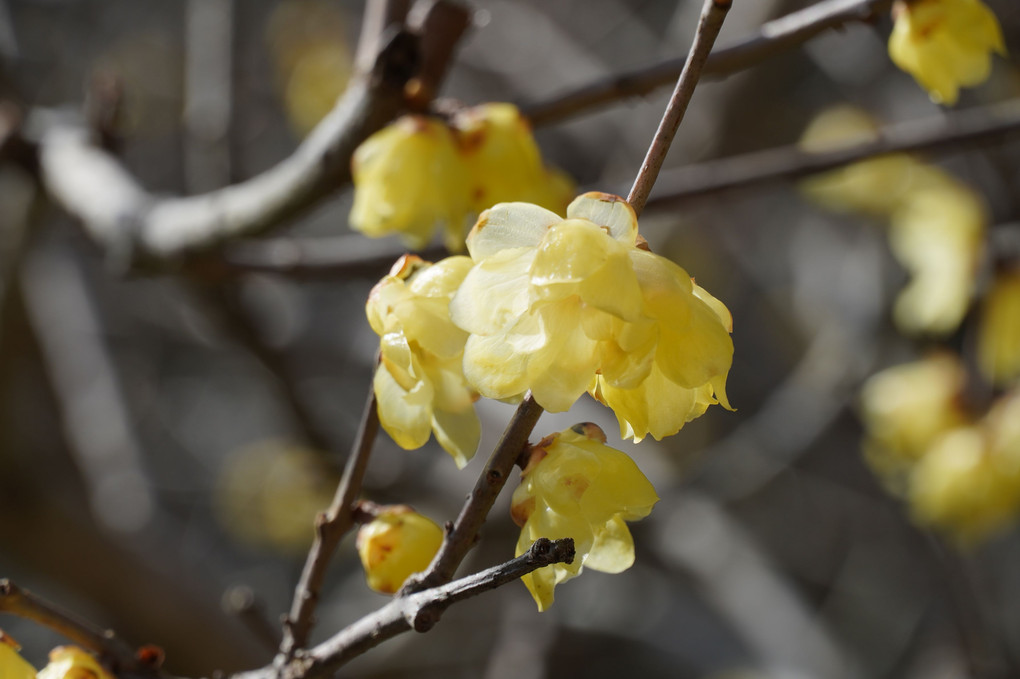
(405, 415)
(509, 225)
(458, 433)
(609, 211)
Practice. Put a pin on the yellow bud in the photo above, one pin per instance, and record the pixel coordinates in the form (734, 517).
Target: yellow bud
(12, 665)
(395, 544)
(945, 44)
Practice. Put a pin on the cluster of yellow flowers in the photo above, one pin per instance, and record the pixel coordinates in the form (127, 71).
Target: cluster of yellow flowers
(66, 662)
(422, 173)
(945, 44)
(936, 223)
(575, 486)
(563, 306)
(958, 473)
(556, 307)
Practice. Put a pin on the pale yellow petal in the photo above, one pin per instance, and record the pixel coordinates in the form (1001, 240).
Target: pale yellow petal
(509, 225)
(405, 415)
(609, 211)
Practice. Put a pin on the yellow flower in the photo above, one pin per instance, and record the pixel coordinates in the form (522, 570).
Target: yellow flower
(945, 44)
(905, 409)
(575, 486)
(938, 236)
(999, 332)
(71, 662)
(872, 187)
(968, 484)
(505, 162)
(409, 179)
(397, 543)
(12, 665)
(553, 302)
(420, 173)
(419, 384)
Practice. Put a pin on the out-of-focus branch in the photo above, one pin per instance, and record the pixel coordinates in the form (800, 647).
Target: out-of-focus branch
(713, 13)
(418, 612)
(331, 256)
(773, 38)
(330, 529)
(112, 650)
(134, 224)
(791, 162)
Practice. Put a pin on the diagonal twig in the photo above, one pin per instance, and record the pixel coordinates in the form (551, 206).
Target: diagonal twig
(773, 38)
(712, 15)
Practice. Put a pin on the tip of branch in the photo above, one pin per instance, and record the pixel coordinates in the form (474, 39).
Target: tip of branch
(546, 551)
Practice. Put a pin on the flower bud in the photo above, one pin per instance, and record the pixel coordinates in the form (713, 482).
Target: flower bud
(395, 544)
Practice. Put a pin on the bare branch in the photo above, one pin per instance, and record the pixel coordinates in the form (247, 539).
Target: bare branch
(462, 536)
(791, 162)
(713, 14)
(112, 650)
(420, 612)
(773, 38)
(330, 529)
(133, 224)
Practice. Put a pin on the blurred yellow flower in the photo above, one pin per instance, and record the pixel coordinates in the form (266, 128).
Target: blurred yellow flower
(420, 173)
(419, 384)
(999, 332)
(409, 179)
(968, 484)
(575, 486)
(71, 662)
(906, 408)
(553, 302)
(945, 44)
(268, 494)
(12, 665)
(938, 236)
(395, 544)
(504, 160)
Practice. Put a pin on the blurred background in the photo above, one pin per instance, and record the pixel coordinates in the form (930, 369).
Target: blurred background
(165, 441)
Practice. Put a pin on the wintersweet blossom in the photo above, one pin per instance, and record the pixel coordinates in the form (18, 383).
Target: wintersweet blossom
(968, 483)
(563, 306)
(419, 384)
(906, 408)
(575, 486)
(422, 173)
(999, 332)
(945, 44)
(12, 665)
(409, 180)
(395, 544)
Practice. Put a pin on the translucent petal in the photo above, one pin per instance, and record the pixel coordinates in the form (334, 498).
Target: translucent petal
(494, 294)
(494, 368)
(560, 372)
(458, 433)
(692, 353)
(405, 415)
(509, 225)
(613, 549)
(612, 212)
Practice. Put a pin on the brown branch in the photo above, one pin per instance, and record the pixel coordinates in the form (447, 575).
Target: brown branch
(461, 537)
(791, 162)
(418, 612)
(330, 529)
(713, 14)
(347, 255)
(116, 653)
(134, 225)
(774, 37)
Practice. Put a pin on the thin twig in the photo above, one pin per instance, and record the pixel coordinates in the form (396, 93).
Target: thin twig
(330, 529)
(111, 649)
(712, 15)
(461, 537)
(791, 162)
(418, 612)
(774, 37)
